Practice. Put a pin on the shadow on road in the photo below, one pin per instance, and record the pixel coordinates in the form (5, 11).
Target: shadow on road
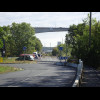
(41, 81)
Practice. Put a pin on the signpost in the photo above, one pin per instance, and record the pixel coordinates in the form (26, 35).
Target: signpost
(62, 58)
(24, 48)
(60, 48)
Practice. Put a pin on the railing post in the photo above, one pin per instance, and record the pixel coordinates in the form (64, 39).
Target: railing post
(79, 74)
(81, 70)
(79, 61)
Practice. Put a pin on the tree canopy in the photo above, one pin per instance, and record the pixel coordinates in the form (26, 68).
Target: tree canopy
(79, 42)
(1, 44)
(18, 35)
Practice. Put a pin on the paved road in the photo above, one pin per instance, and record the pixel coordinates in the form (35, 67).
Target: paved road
(40, 74)
(48, 59)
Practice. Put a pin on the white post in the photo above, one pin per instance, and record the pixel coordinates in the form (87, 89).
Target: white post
(79, 61)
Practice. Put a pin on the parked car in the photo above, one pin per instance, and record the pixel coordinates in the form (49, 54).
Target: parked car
(36, 55)
(27, 57)
(28, 54)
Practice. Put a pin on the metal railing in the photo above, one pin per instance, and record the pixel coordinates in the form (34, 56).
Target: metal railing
(79, 74)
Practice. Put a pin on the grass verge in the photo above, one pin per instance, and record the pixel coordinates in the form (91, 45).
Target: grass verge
(13, 61)
(6, 69)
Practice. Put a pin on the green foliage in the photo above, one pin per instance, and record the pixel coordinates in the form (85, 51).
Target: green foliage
(17, 36)
(66, 50)
(2, 32)
(1, 44)
(63, 52)
(79, 42)
(38, 45)
(55, 51)
(6, 69)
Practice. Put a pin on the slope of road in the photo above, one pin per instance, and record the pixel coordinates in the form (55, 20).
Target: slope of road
(38, 75)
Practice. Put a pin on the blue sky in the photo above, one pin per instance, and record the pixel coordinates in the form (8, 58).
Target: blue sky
(46, 19)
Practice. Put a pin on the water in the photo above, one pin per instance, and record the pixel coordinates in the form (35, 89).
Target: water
(50, 39)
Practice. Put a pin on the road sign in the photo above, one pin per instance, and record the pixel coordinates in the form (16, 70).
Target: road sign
(61, 48)
(63, 58)
(24, 48)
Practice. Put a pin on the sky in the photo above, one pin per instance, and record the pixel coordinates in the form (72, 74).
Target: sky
(46, 19)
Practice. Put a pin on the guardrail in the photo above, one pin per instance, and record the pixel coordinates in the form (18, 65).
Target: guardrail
(79, 74)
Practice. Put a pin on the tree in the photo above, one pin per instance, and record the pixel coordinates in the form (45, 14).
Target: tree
(79, 41)
(38, 45)
(22, 35)
(2, 32)
(1, 44)
(55, 51)
(63, 52)
(17, 36)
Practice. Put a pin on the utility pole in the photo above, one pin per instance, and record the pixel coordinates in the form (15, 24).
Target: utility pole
(90, 31)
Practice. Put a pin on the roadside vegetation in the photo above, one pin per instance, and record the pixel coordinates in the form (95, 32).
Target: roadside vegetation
(57, 52)
(16, 36)
(6, 69)
(7, 60)
(77, 43)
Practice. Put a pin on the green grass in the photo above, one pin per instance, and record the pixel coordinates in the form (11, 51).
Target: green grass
(12, 60)
(6, 69)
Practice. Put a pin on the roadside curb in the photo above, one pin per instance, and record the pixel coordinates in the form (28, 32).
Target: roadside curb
(79, 71)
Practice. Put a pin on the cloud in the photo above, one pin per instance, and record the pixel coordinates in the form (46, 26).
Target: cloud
(40, 18)
(50, 19)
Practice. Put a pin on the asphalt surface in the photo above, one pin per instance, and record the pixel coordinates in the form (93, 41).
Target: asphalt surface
(42, 74)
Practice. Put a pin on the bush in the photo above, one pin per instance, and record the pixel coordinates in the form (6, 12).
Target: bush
(79, 39)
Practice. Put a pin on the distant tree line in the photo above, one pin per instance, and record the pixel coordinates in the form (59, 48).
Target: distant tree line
(17, 36)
